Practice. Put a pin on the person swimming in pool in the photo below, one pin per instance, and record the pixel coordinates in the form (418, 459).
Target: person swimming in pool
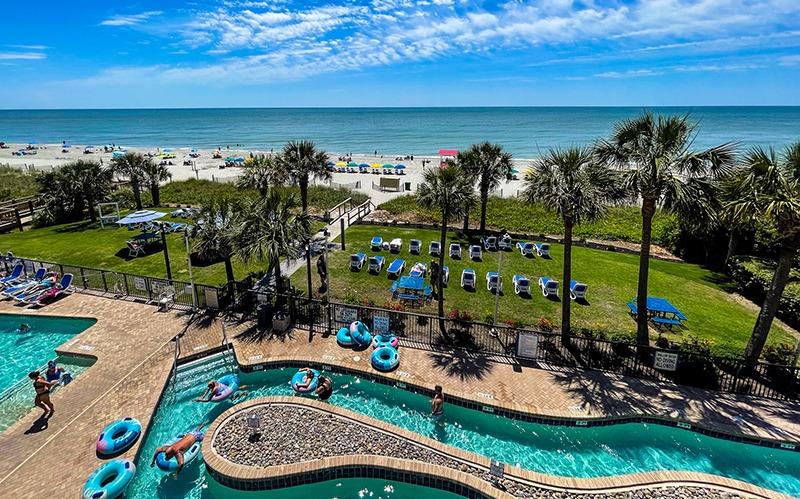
(324, 388)
(216, 388)
(24, 327)
(437, 402)
(53, 372)
(179, 448)
(307, 380)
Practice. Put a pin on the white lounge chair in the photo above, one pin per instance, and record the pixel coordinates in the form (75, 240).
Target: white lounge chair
(548, 286)
(445, 275)
(505, 243)
(455, 250)
(395, 245)
(542, 249)
(475, 252)
(526, 248)
(577, 290)
(494, 282)
(135, 249)
(357, 261)
(522, 285)
(468, 279)
(435, 248)
(415, 246)
(489, 243)
(376, 264)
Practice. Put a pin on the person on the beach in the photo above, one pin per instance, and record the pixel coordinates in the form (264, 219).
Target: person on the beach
(42, 388)
(179, 448)
(307, 380)
(324, 388)
(437, 402)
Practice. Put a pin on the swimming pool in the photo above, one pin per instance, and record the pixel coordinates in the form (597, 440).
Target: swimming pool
(350, 488)
(558, 450)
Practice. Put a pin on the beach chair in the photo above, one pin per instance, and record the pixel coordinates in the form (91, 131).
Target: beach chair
(176, 213)
(135, 249)
(415, 246)
(14, 276)
(395, 245)
(468, 279)
(577, 290)
(418, 270)
(445, 275)
(526, 248)
(505, 243)
(396, 268)
(455, 250)
(19, 286)
(376, 264)
(548, 286)
(542, 249)
(51, 294)
(36, 289)
(522, 285)
(376, 243)
(489, 243)
(357, 261)
(435, 248)
(494, 282)
(475, 252)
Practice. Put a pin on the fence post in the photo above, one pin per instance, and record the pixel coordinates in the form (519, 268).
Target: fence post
(19, 219)
(30, 207)
(105, 285)
(341, 221)
(83, 278)
(125, 280)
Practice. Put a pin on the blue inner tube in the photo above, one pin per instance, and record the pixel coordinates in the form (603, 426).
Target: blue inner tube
(231, 382)
(109, 480)
(385, 340)
(118, 436)
(171, 465)
(344, 338)
(360, 334)
(298, 378)
(385, 358)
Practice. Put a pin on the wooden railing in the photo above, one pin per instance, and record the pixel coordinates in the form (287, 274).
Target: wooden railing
(15, 213)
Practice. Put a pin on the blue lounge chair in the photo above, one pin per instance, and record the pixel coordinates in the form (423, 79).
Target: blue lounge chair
(377, 243)
(435, 248)
(549, 286)
(475, 252)
(494, 282)
(415, 246)
(526, 248)
(52, 293)
(445, 275)
(522, 285)
(36, 289)
(542, 249)
(23, 284)
(14, 276)
(396, 268)
(376, 264)
(468, 279)
(489, 243)
(577, 290)
(357, 261)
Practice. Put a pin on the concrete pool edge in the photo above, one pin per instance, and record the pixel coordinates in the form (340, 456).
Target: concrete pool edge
(253, 478)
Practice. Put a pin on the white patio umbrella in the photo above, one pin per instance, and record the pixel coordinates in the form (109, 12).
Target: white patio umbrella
(140, 216)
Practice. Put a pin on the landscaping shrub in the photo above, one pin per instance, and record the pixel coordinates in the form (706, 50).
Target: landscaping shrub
(16, 183)
(621, 223)
(753, 276)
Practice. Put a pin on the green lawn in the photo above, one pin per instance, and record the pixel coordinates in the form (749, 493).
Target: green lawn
(700, 294)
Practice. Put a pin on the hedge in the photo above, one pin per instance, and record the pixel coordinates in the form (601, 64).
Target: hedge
(753, 276)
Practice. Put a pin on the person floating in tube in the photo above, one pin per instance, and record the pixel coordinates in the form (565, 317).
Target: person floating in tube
(179, 448)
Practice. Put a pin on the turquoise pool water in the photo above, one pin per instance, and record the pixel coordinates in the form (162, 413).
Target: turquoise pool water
(351, 488)
(21, 352)
(559, 450)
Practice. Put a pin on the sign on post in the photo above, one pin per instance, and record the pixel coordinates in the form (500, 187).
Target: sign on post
(665, 361)
(528, 345)
(140, 283)
(497, 469)
(345, 314)
(380, 324)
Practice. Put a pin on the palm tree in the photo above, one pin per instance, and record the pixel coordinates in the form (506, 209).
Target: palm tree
(132, 166)
(261, 172)
(769, 190)
(74, 187)
(270, 229)
(214, 238)
(448, 190)
(571, 183)
(735, 224)
(660, 168)
(490, 165)
(153, 175)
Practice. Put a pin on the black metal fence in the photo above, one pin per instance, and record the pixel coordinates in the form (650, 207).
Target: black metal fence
(544, 348)
(124, 285)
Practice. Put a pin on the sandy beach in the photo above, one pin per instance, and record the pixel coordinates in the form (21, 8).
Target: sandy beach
(50, 156)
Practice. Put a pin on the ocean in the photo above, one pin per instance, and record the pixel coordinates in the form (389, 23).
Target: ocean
(524, 131)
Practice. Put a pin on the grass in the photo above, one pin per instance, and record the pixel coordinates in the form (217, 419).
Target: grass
(515, 215)
(702, 295)
(15, 183)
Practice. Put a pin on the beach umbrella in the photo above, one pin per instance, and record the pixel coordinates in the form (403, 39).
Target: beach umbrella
(230, 159)
(514, 170)
(140, 216)
(238, 159)
(364, 165)
(387, 165)
(117, 154)
(376, 165)
(66, 146)
(193, 150)
(167, 149)
(352, 163)
(341, 163)
(401, 166)
(331, 163)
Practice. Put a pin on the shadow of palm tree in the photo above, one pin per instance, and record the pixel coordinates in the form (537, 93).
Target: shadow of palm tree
(254, 334)
(464, 365)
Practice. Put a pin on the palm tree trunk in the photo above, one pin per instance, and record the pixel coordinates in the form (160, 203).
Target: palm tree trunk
(90, 206)
(733, 243)
(442, 238)
(566, 277)
(229, 270)
(642, 318)
(303, 184)
(484, 201)
(155, 193)
(137, 195)
(768, 309)
(466, 223)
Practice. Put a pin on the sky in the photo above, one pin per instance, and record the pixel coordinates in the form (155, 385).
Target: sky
(320, 53)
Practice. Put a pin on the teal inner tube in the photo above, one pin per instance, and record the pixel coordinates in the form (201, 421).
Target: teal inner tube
(118, 436)
(298, 378)
(385, 358)
(170, 465)
(360, 334)
(109, 480)
(385, 340)
(344, 338)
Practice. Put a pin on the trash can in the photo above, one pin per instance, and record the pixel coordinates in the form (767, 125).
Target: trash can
(407, 186)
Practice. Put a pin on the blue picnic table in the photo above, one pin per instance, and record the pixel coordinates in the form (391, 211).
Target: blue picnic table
(411, 289)
(660, 312)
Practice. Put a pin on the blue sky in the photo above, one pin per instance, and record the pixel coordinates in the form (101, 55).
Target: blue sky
(217, 53)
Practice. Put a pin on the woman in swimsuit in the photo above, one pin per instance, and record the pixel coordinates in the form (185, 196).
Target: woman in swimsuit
(437, 402)
(213, 388)
(307, 380)
(42, 388)
(324, 388)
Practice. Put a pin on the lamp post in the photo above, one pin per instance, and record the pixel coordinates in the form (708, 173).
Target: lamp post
(191, 277)
(166, 252)
(497, 290)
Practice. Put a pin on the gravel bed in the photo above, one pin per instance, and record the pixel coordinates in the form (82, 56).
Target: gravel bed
(290, 434)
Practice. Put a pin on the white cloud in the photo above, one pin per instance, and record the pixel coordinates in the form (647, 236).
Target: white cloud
(631, 73)
(789, 60)
(28, 56)
(29, 47)
(130, 19)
